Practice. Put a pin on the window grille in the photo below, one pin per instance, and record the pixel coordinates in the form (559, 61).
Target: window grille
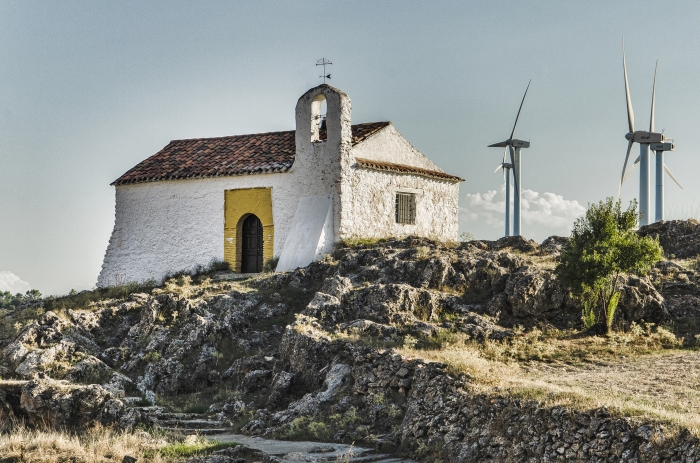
(406, 208)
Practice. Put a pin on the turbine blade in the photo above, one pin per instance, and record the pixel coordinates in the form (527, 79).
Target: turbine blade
(630, 111)
(630, 172)
(671, 175)
(500, 166)
(505, 153)
(653, 99)
(512, 163)
(520, 109)
(624, 167)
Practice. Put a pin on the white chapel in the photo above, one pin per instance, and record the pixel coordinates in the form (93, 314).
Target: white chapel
(288, 195)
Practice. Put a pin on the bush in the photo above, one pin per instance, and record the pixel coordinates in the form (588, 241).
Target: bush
(603, 247)
(270, 264)
(8, 301)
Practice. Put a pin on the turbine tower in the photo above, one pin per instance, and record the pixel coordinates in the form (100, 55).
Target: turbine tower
(657, 142)
(505, 167)
(661, 167)
(659, 149)
(514, 146)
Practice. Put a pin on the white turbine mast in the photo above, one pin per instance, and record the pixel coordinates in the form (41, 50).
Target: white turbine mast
(505, 167)
(514, 146)
(646, 140)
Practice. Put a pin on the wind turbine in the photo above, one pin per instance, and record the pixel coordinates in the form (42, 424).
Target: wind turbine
(505, 167)
(514, 146)
(644, 139)
(657, 142)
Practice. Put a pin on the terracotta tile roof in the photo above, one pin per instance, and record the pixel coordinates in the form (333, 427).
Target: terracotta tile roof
(404, 169)
(260, 153)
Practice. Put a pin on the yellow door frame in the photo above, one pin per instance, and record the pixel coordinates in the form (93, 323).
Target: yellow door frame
(238, 205)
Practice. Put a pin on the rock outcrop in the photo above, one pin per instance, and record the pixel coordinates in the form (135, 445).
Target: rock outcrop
(678, 238)
(308, 353)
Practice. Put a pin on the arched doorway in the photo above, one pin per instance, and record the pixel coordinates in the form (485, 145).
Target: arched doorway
(252, 252)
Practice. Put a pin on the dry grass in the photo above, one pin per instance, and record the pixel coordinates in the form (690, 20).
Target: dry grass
(103, 445)
(636, 374)
(96, 445)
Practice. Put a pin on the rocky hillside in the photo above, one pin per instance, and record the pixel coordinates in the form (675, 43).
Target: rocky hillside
(332, 351)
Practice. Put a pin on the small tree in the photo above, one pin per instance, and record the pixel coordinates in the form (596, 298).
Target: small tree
(602, 247)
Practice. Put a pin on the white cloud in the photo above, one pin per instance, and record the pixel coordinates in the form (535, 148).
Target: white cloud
(543, 214)
(12, 283)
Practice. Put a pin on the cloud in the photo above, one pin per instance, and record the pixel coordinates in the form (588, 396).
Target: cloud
(543, 214)
(12, 283)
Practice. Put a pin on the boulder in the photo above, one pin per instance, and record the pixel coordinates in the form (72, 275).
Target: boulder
(533, 292)
(641, 301)
(680, 238)
(54, 404)
(281, 385)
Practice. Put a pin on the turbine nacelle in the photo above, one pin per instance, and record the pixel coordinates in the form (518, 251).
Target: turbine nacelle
(645, 138)
(515, 143)
(662, 146)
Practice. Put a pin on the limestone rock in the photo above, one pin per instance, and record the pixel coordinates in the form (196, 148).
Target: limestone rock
(641, 301)
(60, 405)
(90, 370)
(680, 238)
(281, 385)
(534, 291)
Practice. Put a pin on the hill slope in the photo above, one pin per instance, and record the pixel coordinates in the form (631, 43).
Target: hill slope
(470, 352)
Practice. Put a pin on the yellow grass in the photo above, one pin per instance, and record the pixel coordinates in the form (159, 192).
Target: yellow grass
(632, 374)
(22, 445)
(97, 445)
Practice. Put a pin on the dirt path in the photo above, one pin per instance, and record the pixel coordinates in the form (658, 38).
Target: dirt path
(666, 385)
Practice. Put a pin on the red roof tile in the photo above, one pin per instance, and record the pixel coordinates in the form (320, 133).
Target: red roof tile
(404, 169)
(260, 153)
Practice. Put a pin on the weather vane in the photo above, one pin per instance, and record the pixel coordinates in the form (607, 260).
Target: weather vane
(323, 62)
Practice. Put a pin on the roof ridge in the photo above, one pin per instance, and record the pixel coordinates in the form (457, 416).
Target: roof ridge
(406, 168)
(262, 133)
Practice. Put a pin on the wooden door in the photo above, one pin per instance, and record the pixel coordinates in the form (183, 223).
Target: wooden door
(252, 252)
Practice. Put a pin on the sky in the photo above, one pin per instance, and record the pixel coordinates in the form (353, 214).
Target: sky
(89, 89)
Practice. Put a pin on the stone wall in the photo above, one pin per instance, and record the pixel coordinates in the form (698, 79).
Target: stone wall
(369, 202)
(368, 197)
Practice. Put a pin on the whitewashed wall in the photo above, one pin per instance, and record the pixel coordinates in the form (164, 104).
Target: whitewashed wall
(389, 145)
(368, 197)
(169, 226)
(369, 202)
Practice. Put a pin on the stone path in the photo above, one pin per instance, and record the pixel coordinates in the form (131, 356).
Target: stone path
(293, 451)
(288, 451)
(182, 423)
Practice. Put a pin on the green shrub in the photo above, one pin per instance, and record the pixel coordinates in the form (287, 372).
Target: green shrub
(194, 446)
(603, 247)
(270, 264)
(197, 408)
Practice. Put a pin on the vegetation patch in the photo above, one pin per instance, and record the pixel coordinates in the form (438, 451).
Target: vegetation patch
(23, 445)
(193, 446)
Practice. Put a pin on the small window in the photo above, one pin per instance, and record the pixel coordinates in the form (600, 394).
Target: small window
(406, 208)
